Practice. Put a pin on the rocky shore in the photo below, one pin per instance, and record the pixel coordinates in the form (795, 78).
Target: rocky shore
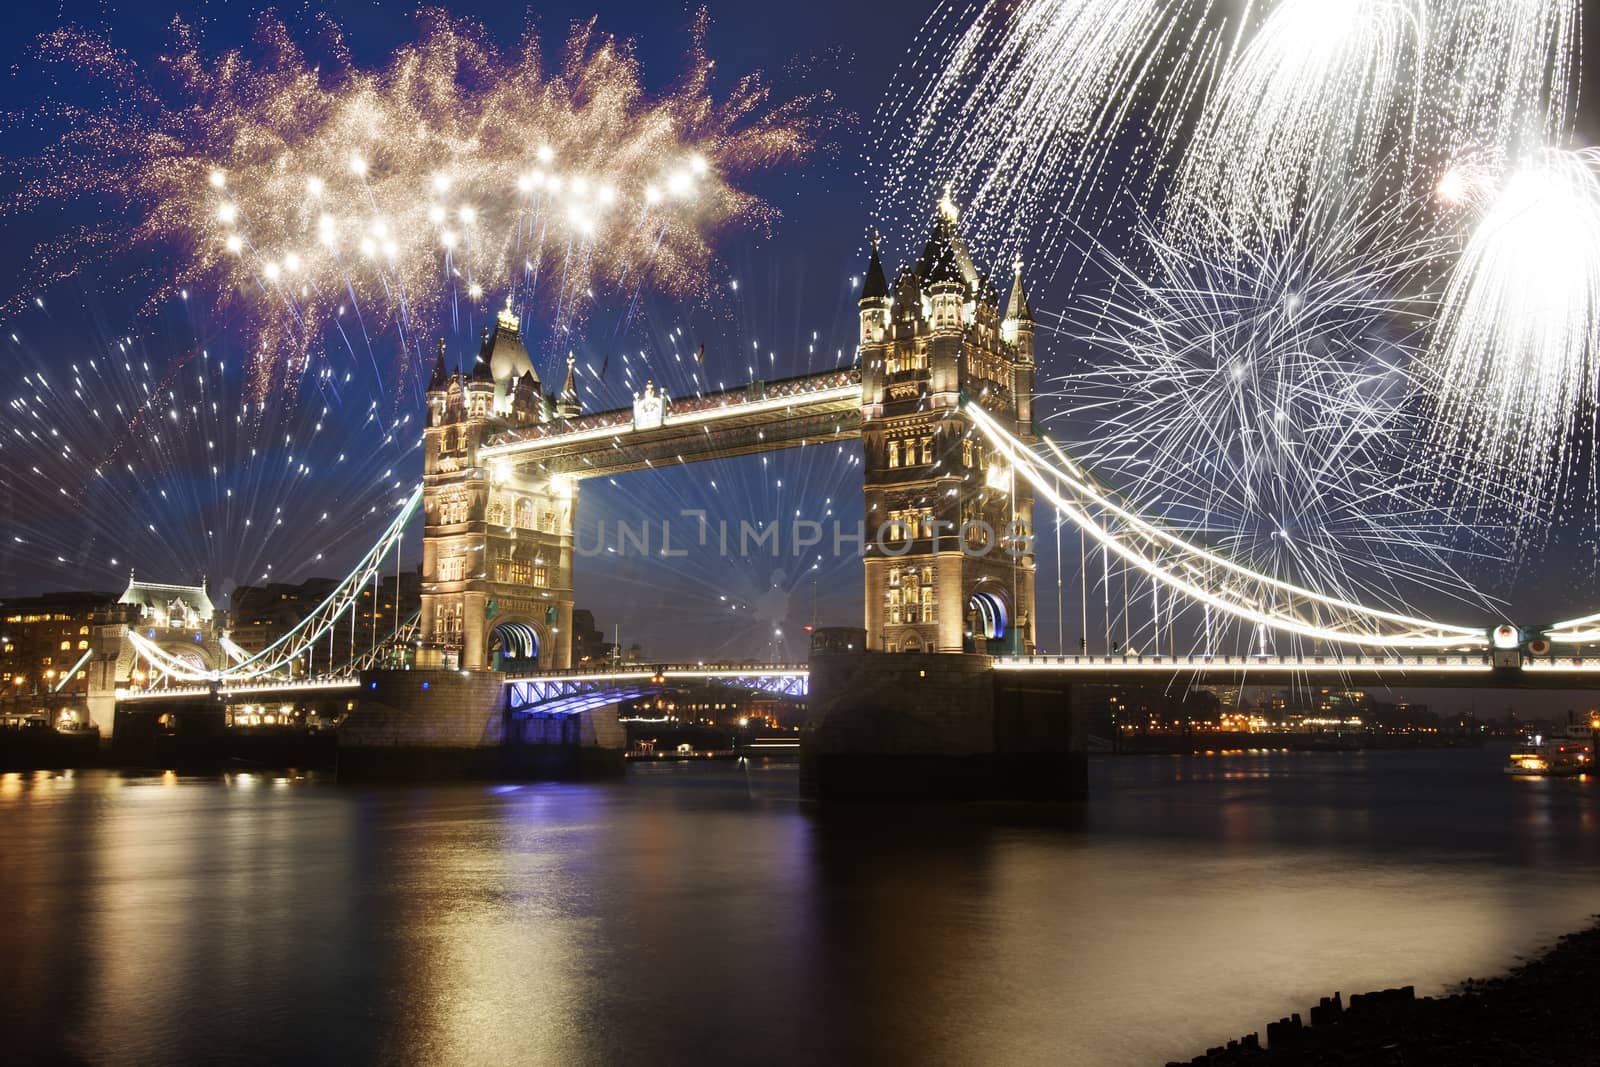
(1545, 1012)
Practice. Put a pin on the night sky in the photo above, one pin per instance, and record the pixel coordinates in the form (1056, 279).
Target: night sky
(794, 300)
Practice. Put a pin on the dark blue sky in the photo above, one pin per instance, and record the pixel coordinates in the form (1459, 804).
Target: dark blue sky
(794, 299)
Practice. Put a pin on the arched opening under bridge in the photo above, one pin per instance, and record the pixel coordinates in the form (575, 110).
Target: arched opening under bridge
(514, 646)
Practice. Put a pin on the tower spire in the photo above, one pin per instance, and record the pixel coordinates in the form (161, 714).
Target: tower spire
(507, 318)
(876, 285)
(1017, 307)
(436, 382)
(568, 406)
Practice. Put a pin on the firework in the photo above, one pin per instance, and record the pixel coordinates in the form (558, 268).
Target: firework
(115, 455)
(1259, 398)
(1501, 76)
(1513, 359)
(1275, 118)
(1324, 91)
(1039, 113)
(318, 192)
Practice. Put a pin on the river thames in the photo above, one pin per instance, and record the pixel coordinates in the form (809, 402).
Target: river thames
(699, 914)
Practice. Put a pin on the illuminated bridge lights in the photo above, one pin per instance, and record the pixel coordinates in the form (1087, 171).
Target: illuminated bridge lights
(1117, 664)
(308, 685)
(569, 693)
(838, 387)
(1206, 578)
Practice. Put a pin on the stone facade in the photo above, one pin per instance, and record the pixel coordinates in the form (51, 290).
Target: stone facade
(497, 547)
(454, 724)
(937, 726)
(949, 564)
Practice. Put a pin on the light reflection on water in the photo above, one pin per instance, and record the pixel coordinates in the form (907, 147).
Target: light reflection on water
(699, 913)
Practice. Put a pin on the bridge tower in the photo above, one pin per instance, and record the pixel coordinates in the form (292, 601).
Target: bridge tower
(949, 559)
(497, 540)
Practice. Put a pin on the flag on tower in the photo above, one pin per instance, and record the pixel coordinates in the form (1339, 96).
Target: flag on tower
(700, 356)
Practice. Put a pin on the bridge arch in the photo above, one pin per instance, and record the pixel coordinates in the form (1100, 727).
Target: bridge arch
(514, 645)
(991, 612)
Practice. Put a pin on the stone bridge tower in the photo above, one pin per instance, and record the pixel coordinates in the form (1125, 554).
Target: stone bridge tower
(949, 556)
(497, 541)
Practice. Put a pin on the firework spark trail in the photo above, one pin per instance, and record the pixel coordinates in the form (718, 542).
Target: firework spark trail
(1260, 399)
(1275, 117)
(1502, 76)
(1328, 96)
(216, 480)
(1038, 113)
(306, 186)
(1323, 93)
(1513, 362)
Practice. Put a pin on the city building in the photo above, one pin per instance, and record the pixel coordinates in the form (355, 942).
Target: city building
(43, 637)
(589, 644)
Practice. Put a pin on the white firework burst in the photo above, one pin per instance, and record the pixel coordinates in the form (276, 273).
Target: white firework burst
(1258, 397)
(1513, 360)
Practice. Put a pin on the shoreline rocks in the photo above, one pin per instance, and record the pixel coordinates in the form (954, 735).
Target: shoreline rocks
(1546, 1012)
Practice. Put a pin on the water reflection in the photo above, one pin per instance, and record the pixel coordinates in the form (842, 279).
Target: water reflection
(699, 912)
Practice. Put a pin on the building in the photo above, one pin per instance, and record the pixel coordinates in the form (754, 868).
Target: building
(949, 561)
(497, 546)
(42, 638)
(589, 644)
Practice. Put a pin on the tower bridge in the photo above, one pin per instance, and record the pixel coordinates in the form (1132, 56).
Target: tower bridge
(941, 401)
(504, 461)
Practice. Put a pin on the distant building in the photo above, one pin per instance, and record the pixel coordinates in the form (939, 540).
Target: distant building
(589, 644)
(42, 637)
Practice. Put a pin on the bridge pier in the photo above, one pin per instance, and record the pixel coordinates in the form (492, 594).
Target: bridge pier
(426, 725)
(937, 727)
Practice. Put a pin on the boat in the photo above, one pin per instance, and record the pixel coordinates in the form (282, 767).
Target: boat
(1560, 755)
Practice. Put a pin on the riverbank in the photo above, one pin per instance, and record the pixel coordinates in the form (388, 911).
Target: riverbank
(1546, 1012)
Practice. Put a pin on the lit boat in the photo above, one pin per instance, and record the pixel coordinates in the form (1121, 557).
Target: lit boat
(1559, 756)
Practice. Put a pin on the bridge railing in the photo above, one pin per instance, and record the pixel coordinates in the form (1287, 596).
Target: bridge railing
(760, 391)
(645, 670)
(1473, 660)
(340, 681)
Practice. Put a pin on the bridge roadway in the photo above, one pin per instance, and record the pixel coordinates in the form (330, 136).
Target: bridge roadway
(1431, 671)
(265, 690)
(1458, 671)
(760, 417)
(1410, 671)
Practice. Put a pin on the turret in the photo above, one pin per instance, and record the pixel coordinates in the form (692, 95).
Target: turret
(480, 366)
(940, 270)
(1017, 329)
(874, 302)
(568, 406)
(440, 379)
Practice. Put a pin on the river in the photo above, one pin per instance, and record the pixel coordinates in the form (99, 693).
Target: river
(697, 913)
